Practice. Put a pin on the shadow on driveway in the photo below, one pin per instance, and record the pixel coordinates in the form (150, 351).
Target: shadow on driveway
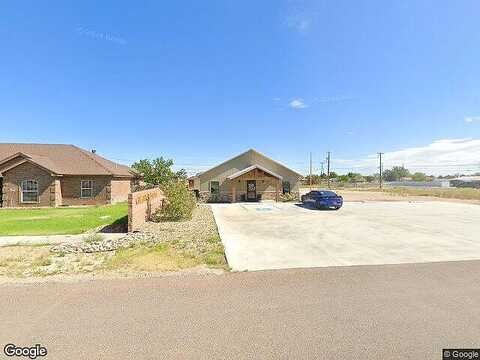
(309, 206)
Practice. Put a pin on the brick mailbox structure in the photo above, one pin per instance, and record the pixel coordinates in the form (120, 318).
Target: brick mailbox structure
(142, 205)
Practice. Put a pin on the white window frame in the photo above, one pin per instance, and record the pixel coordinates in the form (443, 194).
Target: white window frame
(29, 191)
(82, 188)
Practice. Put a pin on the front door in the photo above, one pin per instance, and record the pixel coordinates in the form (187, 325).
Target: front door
(251, 190)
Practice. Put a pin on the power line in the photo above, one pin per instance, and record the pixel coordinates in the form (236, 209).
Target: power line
(328, 169)
(310, 171)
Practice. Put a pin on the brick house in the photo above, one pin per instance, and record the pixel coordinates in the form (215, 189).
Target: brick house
(250, 176)
(34, 175)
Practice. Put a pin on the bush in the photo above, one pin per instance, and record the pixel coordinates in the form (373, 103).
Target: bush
(289, 197)
(180, 203)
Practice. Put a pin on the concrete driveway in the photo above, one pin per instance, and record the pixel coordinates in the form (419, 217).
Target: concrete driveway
(285, 235)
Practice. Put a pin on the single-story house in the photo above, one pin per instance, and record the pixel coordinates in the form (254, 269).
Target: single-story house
(466, 182)
(250, 176)
(34, 175)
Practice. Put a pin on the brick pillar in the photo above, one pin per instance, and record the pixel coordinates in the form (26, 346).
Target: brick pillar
(52, 193)
(3, 189)
(130, 212)
(108, 190)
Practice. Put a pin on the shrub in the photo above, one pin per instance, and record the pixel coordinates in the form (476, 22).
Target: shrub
(289, 197)
(93, 238)
(180, 203)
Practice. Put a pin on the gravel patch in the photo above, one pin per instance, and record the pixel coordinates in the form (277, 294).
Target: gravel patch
(198, 235)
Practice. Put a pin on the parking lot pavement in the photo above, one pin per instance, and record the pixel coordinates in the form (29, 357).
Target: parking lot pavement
(285, 235)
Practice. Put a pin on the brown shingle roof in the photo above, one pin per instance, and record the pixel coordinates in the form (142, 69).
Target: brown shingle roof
(66, 159)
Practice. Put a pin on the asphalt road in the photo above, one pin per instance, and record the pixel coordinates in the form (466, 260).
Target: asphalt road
(407, 311)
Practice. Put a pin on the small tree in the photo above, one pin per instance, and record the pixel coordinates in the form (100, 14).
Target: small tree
(159, 171)
(419, 176)
(396, 173)
(180, 203)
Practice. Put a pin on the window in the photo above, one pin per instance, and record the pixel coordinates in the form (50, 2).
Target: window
(29, 191)
(86, 189)
(286, 187)
(214, 188)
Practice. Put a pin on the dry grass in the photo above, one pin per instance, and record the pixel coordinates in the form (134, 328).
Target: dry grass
(445, 193)
(151, 258)
(30, 261)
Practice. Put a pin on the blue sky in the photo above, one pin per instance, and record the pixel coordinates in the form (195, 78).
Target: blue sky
(202, 81)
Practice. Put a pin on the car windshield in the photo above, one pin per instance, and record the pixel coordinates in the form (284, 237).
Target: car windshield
(323, 193)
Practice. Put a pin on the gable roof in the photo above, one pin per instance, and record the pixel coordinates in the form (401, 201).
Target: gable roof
(245, 153)
(250, 168)
(64, 159)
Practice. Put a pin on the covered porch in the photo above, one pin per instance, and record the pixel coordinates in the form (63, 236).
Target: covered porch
(255, 183)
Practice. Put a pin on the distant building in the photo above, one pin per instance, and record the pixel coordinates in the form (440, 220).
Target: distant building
(420, 184)
(466, 182)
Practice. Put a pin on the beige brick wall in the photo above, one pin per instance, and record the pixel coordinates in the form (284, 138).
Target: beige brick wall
(70, 189)
(13, 178)
(141, 206)
(120, 189)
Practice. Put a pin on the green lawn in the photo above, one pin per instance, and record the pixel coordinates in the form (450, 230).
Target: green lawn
(59, 221)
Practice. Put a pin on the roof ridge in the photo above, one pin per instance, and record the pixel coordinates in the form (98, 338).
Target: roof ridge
(275, 161)
(224, 162)
(87, 154)
(27, 143)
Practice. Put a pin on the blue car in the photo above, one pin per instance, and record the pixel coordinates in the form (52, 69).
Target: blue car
(323, 199)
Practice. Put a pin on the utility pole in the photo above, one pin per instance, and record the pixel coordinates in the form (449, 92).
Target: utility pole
(310, 171)
(328, 169)
(381, 169)
(321, 172)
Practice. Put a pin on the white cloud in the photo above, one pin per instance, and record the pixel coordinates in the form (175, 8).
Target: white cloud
(299, 22)
(297, 103)
(276, 99)
(447, 156)
(350, 133)
(472, 119)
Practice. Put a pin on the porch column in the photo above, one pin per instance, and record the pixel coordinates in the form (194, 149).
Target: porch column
(277, 187)
(234, 191)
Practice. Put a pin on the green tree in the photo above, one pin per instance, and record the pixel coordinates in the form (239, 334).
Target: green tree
(419, 176)
(159, 171)
(396, 173)
(355, 177)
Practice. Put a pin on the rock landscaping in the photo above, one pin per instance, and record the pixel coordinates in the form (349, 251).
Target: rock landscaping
(191, 235)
